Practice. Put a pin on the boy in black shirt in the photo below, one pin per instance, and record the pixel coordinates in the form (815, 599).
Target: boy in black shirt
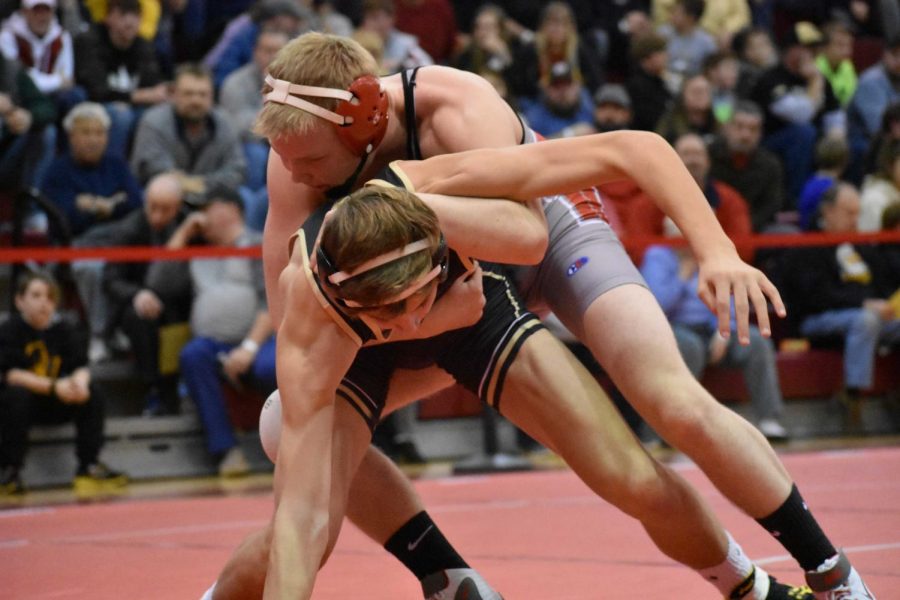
(44, 377)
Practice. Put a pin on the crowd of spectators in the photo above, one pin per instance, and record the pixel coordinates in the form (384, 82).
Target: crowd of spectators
(134, 118)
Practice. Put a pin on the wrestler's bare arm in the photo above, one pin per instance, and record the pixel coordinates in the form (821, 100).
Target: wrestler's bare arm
(313, 355)
(490, 229)
(289, 205)
(567, 165)
(461, 111)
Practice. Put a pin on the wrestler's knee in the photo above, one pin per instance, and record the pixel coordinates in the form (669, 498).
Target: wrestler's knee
(689, 416)
(259, 546)
(647, 493)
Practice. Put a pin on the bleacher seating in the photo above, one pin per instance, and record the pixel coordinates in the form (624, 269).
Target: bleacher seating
(806, 373)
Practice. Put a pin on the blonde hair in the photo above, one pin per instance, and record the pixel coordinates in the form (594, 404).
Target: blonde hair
(547, 56)
(372, 221)
(316, 59)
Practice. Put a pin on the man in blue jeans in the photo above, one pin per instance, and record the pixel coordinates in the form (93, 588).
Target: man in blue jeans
(671, 274)
(842, 290)
(233, 336)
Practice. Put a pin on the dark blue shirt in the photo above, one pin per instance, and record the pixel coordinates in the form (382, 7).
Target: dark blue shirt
(66, 179)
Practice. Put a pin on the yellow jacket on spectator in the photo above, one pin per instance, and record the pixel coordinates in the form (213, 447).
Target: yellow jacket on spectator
(719, 16)
(150, 13)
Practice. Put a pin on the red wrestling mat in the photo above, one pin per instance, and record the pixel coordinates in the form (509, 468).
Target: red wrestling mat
(535, 536)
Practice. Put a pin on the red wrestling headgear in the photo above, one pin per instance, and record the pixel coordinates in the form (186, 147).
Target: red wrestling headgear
(361, 115)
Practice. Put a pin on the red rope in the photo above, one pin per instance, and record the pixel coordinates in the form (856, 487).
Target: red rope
(150, 253)
(777, 240)
(123, 253)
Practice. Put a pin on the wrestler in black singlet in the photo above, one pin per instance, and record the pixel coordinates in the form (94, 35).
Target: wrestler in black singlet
(478, 357)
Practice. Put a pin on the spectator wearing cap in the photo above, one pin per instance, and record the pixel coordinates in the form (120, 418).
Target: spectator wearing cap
(190, 137)
(235, 47)
(646, 86)
(400, 50)
(612, 112)
(564, 108)
(796, 100)
(878, 88)
(120, 70)
(34, 37)
(233, 341)
(612, 108)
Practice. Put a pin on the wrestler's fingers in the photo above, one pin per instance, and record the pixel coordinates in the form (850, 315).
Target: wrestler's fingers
(707, 295)
(761, 308)
(742, 312)
(723, 306)
(771, 292)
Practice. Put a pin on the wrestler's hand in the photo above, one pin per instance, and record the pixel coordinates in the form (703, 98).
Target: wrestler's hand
(718, 346)
(724, 277)
(460, 306)
(466, 297)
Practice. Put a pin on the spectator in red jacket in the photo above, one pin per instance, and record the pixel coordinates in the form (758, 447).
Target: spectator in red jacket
(433, 22)
(730, 208)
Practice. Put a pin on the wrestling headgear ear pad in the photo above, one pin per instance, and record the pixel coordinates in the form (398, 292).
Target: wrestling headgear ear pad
(368, 115)
(361, 115)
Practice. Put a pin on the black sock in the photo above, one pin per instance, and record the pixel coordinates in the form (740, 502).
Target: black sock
(797, 530)
(422, 548)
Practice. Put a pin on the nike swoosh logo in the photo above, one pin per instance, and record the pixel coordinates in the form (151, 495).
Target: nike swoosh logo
(412, 545)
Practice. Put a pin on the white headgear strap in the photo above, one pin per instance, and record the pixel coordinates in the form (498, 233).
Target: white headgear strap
(374, 263)
(285, 92)
(414, 287)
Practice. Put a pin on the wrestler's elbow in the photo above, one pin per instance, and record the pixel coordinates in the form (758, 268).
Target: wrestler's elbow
(533, 242)
(537, 242)
(533, 235)
(626, 152)
(635, 138)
